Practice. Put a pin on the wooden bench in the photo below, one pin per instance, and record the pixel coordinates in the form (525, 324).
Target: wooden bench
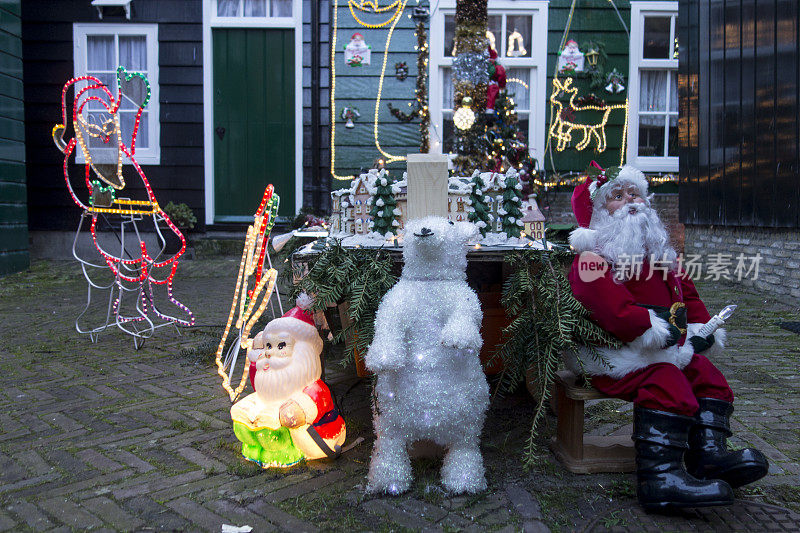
(579, 453)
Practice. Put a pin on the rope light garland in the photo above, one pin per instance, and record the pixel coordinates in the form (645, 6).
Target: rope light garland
(561, 128)
(251, 265)
(367, 6)
(110, 134)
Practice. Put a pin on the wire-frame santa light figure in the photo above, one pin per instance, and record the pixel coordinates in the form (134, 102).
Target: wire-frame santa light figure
(140, 266)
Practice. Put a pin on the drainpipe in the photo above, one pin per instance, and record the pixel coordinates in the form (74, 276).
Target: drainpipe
(316, 182)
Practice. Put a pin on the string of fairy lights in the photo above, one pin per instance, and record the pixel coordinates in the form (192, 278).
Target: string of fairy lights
(91, 89)
(563, 132)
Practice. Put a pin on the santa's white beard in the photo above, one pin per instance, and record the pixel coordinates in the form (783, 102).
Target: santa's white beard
(278, 384)
(624, 238)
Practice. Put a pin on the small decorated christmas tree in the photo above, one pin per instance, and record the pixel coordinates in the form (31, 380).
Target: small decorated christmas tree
(384, 209)
(480, 212)
(510, 212)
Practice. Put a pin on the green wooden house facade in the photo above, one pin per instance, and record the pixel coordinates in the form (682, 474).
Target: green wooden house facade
(13, 202)
(638, 39)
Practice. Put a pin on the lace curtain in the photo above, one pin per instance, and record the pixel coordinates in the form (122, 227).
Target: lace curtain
(102, 60)
(254, 8)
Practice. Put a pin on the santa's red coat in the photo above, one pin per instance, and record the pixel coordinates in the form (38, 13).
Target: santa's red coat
(613, 306)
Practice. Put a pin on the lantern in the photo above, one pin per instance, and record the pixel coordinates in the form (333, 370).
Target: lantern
(592, 56)
(464, 117)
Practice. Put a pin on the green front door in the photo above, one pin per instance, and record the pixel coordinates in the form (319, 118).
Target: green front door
(253, 128)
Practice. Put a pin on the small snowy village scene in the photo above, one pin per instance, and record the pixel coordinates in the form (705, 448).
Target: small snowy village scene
(399, 266)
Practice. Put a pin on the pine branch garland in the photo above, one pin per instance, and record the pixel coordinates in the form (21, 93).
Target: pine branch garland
(546, 321)
(361, 277)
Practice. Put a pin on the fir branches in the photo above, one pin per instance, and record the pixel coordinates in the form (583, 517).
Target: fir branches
(547, 320)
(358, 276)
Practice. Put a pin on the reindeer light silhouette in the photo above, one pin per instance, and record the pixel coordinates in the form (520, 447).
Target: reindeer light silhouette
(98, 135)
(561, 129)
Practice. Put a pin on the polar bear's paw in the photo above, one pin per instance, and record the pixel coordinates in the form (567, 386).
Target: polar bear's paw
(462, 471)
(380, 358)
(389, 470)
(462, 338)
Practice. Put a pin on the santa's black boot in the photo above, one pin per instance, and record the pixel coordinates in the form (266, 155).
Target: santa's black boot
(662, 482)
(708, 456)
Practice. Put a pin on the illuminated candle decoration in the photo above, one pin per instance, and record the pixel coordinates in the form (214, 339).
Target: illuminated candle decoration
(562, 127)
(98, 131)
(291, 416)
(252, 282)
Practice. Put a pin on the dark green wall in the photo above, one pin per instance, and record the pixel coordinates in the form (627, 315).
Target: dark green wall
(358, 87)
(13, 204)
(593, 20)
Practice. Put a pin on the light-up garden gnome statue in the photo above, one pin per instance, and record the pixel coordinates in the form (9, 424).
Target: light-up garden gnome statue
(430, 384)
(291, 416)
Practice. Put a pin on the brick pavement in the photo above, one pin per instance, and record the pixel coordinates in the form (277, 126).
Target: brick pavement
(104, 437)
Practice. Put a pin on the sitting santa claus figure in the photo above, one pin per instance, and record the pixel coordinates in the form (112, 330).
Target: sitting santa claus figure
(628, 277)
(291, 416)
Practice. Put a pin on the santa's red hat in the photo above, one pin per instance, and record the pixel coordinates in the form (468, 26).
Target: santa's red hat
(298, 321)
(591, 195)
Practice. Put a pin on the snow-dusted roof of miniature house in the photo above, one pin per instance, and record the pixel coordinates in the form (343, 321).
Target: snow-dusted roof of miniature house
(461, 185)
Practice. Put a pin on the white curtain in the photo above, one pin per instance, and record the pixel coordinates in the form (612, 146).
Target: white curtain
(447, 88)
(673, 91)
(653, 90)
(522, 94)
(227, 8)
(281, 8)
(255, 8)
(100, 52)
(133, 52)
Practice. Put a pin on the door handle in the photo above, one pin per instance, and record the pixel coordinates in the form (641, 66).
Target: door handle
(220, 132)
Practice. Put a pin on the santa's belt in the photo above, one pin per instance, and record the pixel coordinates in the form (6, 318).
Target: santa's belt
(673, 314)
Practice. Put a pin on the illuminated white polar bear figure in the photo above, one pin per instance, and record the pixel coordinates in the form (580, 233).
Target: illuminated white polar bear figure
(425, 354)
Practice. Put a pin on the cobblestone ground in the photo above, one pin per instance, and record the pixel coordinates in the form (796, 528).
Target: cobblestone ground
(105, 437)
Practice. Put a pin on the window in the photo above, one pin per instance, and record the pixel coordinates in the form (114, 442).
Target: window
(98, 50)
(519, 35)
(250, 11)
(653, 124)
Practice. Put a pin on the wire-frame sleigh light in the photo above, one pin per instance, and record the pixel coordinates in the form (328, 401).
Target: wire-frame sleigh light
(137, 270)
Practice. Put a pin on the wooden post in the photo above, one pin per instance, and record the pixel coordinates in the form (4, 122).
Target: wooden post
(427, 186)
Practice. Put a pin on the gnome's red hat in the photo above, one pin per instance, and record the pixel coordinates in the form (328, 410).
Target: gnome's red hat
(592, 194)
(298, 321)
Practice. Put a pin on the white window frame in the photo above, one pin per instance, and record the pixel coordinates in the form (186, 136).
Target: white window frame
(537, 62)
(639, 10)
(251, 22)
(80, 31)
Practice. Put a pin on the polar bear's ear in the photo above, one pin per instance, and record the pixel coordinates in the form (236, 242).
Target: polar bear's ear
(466, 230)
